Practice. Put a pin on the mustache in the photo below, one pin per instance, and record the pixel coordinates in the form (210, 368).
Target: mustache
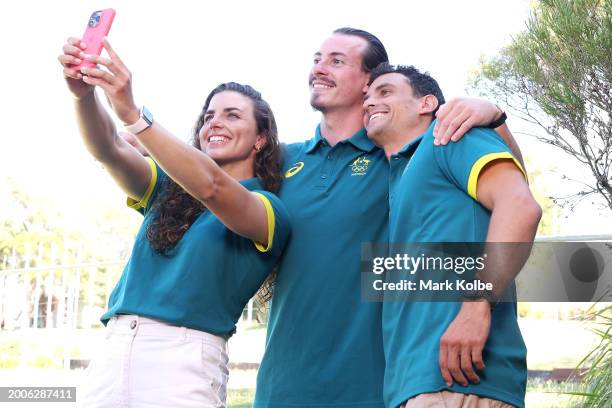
(326, 81)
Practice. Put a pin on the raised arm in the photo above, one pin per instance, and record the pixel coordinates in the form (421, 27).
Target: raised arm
(243, 212)
(240, 210)
(124, 163)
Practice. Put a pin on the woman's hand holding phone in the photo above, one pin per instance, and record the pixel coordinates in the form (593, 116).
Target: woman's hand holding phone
(71, 57)
(116, 81)
(74, 51)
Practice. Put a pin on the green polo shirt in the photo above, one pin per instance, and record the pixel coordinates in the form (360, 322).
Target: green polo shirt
(206, 280)
(324, 345)
(433, 199)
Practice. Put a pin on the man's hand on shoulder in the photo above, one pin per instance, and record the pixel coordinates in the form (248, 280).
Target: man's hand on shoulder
(459, 115)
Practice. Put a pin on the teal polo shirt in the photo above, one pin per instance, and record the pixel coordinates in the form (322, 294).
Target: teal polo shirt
(206, 280)
(324, 345)
(433, 199)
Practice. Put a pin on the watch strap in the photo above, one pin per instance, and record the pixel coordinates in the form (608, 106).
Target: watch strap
(499, 121)
(144, 122)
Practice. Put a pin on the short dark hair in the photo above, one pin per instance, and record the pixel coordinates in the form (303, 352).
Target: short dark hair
(421, 82)
(374, 55)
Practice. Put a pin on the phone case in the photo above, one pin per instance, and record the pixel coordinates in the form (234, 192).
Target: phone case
(97, 28)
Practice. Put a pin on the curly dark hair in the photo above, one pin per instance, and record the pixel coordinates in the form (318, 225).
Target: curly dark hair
(176, 210)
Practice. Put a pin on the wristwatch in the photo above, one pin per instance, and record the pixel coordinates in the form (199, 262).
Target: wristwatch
(499, 121)
(476, 295)
(144, 122)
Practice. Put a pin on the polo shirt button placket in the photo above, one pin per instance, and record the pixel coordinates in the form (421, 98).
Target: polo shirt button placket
(326, 168)
(133, 324)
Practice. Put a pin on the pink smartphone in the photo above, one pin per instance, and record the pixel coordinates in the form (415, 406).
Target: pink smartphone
(97, 28)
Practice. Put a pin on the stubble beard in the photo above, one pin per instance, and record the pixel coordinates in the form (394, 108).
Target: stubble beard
(317, 106)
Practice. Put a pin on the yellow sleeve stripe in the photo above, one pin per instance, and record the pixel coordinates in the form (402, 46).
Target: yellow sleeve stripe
(271, 223)
(144, 201)
(483, 161)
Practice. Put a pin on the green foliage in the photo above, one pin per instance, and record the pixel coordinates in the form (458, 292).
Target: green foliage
(9, 354)
(597, 380)
(43, 362)
(240, 398)
(40, 233)
(548, 393)
(550, 213)
(26, 223)
(556, 75)
(36, 232)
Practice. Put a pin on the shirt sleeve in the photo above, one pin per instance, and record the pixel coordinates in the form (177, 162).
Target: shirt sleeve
(463, 161)
(145, 203)
(279, 224)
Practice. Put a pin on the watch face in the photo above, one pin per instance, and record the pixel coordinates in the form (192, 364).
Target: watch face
(146, 115)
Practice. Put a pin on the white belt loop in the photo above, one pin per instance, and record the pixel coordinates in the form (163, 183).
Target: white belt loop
(184, 333)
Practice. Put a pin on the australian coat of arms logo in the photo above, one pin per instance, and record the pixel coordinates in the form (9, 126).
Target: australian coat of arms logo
(360, 166)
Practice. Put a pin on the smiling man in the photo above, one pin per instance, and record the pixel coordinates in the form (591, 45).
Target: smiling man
(324, 345)
(470, 191)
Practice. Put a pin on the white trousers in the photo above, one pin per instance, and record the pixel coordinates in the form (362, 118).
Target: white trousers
(145, 363)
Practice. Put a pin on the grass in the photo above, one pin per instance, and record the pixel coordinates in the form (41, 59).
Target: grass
(546, 394)
(257, 326)
(551, 344)
(557, 344)
(540, 394)
(240, 398)
(597, 382)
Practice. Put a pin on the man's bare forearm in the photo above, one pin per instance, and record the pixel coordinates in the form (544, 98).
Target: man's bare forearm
(509, 241)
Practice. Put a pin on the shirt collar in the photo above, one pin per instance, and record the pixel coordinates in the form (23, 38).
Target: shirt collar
(252, 184)
(312, 144)
(409, 149)
(360, 140)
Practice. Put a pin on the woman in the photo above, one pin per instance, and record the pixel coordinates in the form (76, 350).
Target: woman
(208, 240)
